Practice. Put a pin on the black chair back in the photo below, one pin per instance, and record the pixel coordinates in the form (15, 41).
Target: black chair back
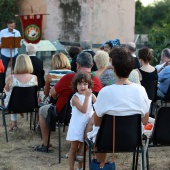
(161, 129)
(127, 133)
(67, 112)
(23, 99)
(2, 82)
(151, 89)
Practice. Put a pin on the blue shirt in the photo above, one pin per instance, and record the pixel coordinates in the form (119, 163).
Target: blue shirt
(5, 33)
(164, 79)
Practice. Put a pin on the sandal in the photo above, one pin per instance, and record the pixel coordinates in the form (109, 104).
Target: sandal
(42, 148)
(13, 128)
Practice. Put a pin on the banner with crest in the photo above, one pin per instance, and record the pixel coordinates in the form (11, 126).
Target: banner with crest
(32, 27)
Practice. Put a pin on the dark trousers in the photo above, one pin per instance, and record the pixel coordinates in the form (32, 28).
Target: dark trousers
(6, 61)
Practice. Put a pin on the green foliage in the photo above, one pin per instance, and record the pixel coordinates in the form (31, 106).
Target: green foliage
(147, 17)
(154, 20)
(8, 10)
(159, 38)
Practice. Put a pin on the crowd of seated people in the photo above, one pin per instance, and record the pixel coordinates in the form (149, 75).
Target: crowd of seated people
(113, 68)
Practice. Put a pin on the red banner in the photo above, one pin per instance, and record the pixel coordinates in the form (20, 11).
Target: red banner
(32, 27)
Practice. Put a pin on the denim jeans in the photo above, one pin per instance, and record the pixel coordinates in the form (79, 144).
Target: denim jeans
(6, 61)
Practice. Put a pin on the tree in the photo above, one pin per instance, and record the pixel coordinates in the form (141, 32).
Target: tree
(154, 20)
(8, 10)
(159, 38)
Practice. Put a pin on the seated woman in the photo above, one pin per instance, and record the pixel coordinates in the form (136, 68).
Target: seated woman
(22, 77)
(122, 98)
(102, 61)
(60, 67)
(146, 72)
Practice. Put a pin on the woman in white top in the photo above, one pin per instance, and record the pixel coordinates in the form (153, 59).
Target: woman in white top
(123, 97)
(22, 77)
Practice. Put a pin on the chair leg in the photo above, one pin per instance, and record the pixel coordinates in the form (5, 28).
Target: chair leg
(143, 159)
(133, 165)
(34, 121)
(30, 120)
(137, 156)
(84, 160)
(4, 123)
(147, 159)
(59, 143)
(64, 128)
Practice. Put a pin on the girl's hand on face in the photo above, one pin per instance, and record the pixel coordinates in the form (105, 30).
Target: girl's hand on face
(88, 92)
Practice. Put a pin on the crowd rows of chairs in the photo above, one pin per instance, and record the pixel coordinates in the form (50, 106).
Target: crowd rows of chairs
(127, 128)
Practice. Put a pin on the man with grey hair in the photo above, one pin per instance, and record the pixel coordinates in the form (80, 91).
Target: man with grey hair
(37, 63)
(131, 48)
(165, 56)
(164, 73)
(86, 46)
(61, 90)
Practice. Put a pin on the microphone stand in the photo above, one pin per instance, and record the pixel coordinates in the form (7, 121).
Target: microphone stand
(14, 53)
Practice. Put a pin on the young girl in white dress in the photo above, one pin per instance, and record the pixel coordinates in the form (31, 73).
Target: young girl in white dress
(82, 111)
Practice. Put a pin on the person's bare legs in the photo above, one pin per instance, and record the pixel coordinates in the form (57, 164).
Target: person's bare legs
(101, 157)
(80, 153)
(14, 122)
(44, 130)
(89, 127)
(72, 154)
(37, 117)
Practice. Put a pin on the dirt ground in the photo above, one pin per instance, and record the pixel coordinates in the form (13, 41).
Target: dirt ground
(18, 153)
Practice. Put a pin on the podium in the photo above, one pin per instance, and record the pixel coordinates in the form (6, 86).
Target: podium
(10, 42)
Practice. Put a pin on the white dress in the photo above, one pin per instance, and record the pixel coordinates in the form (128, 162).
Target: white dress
(79, 120)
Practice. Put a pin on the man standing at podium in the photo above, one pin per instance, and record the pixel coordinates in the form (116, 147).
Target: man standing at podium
(10, 31)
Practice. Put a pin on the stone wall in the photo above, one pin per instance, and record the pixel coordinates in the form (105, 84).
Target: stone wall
(76, 20)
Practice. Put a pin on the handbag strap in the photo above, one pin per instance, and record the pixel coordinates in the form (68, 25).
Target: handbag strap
(114, 131)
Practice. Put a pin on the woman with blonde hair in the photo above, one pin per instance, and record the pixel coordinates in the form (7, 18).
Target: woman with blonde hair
(102, 61)
(60, 67)
(22, 77)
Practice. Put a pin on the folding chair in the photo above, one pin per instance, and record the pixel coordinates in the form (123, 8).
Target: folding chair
(166, 99)
(128, 137)
(66, 119)
(151, 90)
(160, 135)
(2, 85)
(22, 100)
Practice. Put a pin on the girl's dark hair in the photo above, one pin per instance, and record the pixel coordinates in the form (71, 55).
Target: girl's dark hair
(145, 54)
(122, 61)
(82, 77)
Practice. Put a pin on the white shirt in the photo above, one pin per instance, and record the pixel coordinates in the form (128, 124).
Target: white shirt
(5, 33)
(159, 66)
(122, 100)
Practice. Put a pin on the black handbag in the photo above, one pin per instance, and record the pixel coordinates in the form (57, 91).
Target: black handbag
(95, 165)
(51, 119)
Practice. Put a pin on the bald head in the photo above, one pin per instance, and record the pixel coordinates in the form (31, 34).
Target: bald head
(131, 47)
